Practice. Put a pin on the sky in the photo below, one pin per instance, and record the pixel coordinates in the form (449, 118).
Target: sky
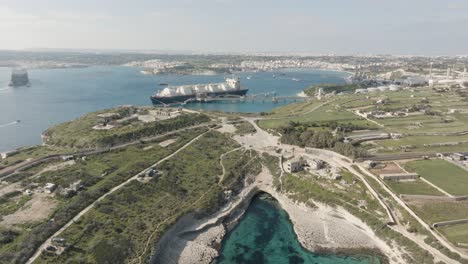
(343, 27)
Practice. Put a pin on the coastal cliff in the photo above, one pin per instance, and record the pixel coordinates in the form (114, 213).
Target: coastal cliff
(319, 229)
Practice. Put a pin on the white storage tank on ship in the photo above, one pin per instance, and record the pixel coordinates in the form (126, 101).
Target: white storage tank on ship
(184, 90)
(167, 92)
(200, 89)
(213, 88)
(223, 87)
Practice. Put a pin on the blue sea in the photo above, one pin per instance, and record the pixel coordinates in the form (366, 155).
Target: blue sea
(265, 235)
(58, 95)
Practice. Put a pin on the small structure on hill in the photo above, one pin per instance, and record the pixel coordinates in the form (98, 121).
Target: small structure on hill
(315, 164)
(49, 187)
(399, 176)
(370, 164)
(296, 164)
(458, 156)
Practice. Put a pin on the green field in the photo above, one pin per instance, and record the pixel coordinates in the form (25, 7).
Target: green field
(443, 174)
(421, 140)
(326, 113)
(417, 187)
(455, 233)
(421, 149)
(438, 211)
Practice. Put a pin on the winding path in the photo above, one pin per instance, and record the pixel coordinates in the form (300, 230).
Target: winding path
(221, 178)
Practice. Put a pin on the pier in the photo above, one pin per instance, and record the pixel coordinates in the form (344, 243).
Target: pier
(267, 97)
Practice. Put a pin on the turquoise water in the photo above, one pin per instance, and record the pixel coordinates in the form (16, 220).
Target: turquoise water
(58, 95)
(265, 235)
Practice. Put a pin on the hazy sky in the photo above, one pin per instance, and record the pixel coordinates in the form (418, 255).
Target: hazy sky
(429, 27)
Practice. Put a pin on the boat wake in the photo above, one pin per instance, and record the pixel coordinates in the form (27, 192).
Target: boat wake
(10, 124)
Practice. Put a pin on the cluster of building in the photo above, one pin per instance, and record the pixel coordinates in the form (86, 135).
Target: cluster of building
(453, 78)
(398, 176)
(459, 158)
(371, 136)
(382, 88)
(320, 168)
(379, 114)
(113, 119)
(50, 188)
(154, 66)
(259, 65)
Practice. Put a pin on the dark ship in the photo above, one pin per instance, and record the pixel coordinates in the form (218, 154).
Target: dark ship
(19, 77)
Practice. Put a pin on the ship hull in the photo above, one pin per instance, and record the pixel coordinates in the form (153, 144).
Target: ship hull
(183, 98)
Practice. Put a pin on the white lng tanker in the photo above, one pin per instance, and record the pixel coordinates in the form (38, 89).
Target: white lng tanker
(180, 94)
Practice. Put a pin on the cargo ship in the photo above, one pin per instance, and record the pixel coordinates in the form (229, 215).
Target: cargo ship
(19, 77)
(186, 93)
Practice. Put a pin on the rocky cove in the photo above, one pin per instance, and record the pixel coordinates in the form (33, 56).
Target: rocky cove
(320, 235)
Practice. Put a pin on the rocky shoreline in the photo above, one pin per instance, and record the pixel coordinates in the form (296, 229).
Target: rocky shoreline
(324, 229)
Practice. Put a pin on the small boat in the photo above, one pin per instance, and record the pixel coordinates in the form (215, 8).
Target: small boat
(296, 79)
(163, 84)
(18, 121)
(249, 77)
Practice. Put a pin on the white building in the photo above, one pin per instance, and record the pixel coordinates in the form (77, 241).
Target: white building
(49, 187)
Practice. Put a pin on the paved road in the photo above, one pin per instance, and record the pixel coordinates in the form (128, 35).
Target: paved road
(84, 211)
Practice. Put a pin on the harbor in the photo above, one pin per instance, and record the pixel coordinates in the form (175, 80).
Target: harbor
(58, 95)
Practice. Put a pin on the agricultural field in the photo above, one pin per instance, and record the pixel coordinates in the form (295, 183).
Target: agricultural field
(326, 113)
(417, 187)
(421, 140)
(386, 168)
(438, 211)
(441, 173)
(402, 149)
(455, 233)
(298, 108)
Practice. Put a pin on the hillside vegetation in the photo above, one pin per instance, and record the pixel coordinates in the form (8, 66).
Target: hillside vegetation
(79, 133)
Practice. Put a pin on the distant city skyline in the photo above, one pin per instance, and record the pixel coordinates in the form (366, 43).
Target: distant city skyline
(417, 27)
